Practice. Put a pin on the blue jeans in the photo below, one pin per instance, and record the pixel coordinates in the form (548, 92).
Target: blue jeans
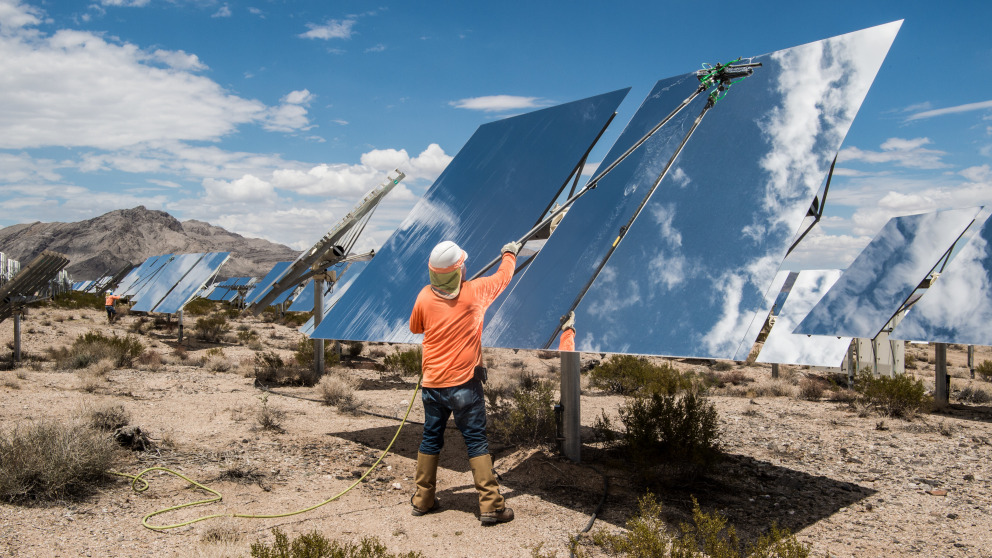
(469, 407)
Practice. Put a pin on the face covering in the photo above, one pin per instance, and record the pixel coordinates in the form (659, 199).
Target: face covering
(448, 284)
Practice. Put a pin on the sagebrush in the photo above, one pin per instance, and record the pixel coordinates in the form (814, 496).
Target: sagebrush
(892, 396)
(627, 374)
(50, 460)
(315, 545)
(708, 536)
(92, 347)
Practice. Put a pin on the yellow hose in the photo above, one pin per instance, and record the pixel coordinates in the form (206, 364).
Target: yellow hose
(218, 497)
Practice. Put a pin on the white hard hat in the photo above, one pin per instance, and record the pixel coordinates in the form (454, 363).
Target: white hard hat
(446, 256)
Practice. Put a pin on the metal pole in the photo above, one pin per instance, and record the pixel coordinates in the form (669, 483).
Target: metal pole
(180, 325)
(774, 370)
(971, 360)
(851, 363)
(17, 335)
(318, 315)
(941, 381)
(571, 419)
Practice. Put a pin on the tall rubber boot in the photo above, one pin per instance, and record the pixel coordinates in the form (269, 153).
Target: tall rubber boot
(423, 500)
(492, 506)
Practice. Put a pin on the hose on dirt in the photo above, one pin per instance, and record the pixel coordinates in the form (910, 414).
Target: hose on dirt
(217, 497)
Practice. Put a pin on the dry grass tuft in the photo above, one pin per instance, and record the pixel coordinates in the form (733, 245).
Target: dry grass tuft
(335, 390)
(51, 460)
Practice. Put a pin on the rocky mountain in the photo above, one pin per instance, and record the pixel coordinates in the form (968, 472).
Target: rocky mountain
(105, 244)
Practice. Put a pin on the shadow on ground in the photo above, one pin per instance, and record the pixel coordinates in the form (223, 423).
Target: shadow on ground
(752, 494)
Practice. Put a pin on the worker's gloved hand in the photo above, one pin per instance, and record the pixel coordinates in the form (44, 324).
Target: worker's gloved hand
(568, 321)
(511, 247)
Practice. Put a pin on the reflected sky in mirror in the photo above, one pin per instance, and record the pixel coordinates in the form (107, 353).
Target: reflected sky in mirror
(759, 318)
(144, 272)
(886, 273)
(168, 277)
(304, 300)
(784, 347)
(347, 274)
(491, 193)
(263, 286)
(958, 307)
(191, 283)
(691, 274)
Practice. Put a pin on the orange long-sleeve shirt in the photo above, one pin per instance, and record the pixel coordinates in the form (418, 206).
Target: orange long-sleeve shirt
(567, 340)
(111, 300)
(453, 328)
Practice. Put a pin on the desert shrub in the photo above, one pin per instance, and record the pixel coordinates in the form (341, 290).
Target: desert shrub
(272, 370)
(335, 390)
(975, 395)
(722, 365)
(626, 374)
(355, 348)
(407, 362)
(680, 429)
(896, 396)
(246, 335)
(76, 300)
(524, 415)
(51, 461)
(180, 353)
(199, 307)
(216, 361)
(93, 347)
(108, 418)
(708, 536)
(304, 353)
(315, 545)
(212, 328)
(142, 325)
(269, 418)
(984, 369)
(295, 319)
(150, 359)
(909, 361)
(811, 389)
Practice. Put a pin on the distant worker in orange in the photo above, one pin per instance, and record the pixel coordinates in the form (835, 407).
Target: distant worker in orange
(449, 312)
(567, 340)
(110, 302)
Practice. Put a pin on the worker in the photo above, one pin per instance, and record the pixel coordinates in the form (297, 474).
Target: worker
(449, 312)
(110, 302)
(567, 340)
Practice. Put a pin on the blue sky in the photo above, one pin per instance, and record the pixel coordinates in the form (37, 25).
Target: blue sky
(272, 118)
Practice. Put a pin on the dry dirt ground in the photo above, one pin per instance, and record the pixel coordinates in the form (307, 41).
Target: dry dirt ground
(847, 483)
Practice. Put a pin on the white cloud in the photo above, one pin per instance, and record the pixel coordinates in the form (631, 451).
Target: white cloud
(377, 48)
(333, 29)
(951, 110)
(224, 11)
(103, 94)
(178, 60)
(248, 188)
(14, 15)
(125, 3)
(292, 114)
(909, 153)
(498, 103)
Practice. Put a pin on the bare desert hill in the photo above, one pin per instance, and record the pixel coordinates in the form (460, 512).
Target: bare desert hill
(103, 245)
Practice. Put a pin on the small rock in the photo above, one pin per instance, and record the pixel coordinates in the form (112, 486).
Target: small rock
(969, 477)
(952, 516)
(937, 492)
(398, 486)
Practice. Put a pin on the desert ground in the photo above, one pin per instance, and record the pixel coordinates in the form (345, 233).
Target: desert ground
(845, 481)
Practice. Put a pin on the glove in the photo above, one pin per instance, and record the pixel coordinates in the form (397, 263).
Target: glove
(512, 247)
(568, 321)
